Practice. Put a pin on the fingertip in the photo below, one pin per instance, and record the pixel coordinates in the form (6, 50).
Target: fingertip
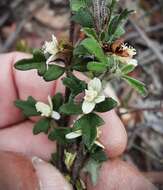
(120, 175)
(113, 136)
(49, 177)
(22, 140)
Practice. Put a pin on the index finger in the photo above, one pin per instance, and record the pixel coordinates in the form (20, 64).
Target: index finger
(16, 84)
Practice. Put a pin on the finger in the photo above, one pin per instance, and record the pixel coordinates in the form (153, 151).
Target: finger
(9, 113)
(21, 139)
(118, 175)
(18, 172)
(17, 84)
(113, 134)
(50, 178)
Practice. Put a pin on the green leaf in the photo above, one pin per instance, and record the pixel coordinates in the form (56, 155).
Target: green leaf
(74, 84)
(99, 156)
(88, 124)
(53, 72)
(78, 4)
(71, 109)
(96, 67)
(120, 31)
(117, 21)
(43, 125)
(26, 64)
(127, 69)
(57, 100)
(137, 85)
(90, 119)
(95, 49)
(28, 106)
(42, 69)
(80, 51)
(59, 134)
(37, 62)
(107, 105)
(82, 67)
(83, 17)
(89, 135)
(112, 4)
(38, 55)
(90, 32)
(93, 168)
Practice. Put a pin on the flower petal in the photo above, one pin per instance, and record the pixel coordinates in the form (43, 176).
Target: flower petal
(43, 108)
(54, 39)
(99, 99)
(55, 115)
(133, 62)
(50, 102)
(95, 84)
(51, 59)
(99, 144)
(74, 134)
(87, 107)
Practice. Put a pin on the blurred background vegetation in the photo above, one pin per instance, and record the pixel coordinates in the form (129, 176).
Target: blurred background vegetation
(26, 24)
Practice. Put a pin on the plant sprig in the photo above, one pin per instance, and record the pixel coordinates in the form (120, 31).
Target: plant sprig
(102, 55)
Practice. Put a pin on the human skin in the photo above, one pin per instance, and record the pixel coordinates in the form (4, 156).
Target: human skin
(23, 156)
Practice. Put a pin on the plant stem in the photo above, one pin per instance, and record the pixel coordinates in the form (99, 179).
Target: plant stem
(78, 163)
(65, 119)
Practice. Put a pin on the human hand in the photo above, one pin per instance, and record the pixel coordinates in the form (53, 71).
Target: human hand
(17, 171)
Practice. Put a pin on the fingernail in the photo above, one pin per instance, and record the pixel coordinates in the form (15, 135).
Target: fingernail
(36, 160)
(48, 176)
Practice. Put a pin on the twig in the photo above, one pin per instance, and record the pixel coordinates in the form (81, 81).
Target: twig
(4, 18)
(65, 119)
(154, 177)
(132, 35)
(60, 4)
(13, 37)
(149, 42)
(133, 110)
(147, 58)
(147, 153)
(78, 163)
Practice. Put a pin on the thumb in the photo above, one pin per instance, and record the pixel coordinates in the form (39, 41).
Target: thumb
(49, 177)
(19, 173)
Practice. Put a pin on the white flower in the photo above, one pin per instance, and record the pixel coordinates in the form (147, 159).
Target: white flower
(93, 95)
(52, 48)
(131, 52)
(129, 61)
(47, 110)
(78, 133)
(98, 143)
(74, 134)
